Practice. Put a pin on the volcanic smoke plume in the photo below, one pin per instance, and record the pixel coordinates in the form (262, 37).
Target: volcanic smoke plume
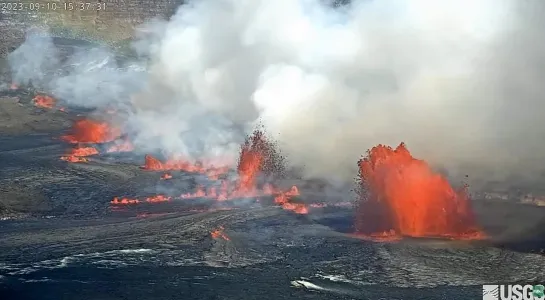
(401, 195)
(327, 81)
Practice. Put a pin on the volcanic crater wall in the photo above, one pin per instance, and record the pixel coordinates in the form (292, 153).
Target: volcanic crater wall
(115, 24)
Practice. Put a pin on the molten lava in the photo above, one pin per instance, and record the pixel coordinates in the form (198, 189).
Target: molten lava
(74, 159)
(284, 200)
(124, 201)
(213, 172)
(150, 199)
(249, 165)
(257, 156)
(44, 101)
(84, 151)
(218, 233)
(78, 154)
(158, 198)
(402, 196)
(89, 131)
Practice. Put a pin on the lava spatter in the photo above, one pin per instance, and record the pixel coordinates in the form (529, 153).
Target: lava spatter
(44, 101)
(78, 154)
(179, 164)
(257, 156)
(219, 234)
(401, 195)
(90, 131)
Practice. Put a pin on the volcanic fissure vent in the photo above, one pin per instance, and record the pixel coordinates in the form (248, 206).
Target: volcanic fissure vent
(402, 196)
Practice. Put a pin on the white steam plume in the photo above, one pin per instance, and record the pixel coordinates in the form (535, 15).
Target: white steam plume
(458, 81)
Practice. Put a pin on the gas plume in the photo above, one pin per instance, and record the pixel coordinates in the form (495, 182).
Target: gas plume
(456, 80)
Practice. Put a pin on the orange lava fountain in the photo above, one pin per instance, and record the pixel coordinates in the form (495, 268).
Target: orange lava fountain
(402, 196)
(257, 156)
(89, 131)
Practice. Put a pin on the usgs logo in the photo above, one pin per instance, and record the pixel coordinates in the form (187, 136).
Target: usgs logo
(514, 292)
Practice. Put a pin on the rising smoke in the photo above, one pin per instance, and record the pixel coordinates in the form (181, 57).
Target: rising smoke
(458, 81)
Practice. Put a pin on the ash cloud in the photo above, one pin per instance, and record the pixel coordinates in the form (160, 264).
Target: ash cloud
(457, 81)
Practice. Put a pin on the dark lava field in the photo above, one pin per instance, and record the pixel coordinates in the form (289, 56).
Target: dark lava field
(61, 238)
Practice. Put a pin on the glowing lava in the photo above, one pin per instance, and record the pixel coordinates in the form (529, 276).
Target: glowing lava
(401, 196)
(249, 165)
(257, 156)
(84, 151)
(44, 101)
(74, 159)
(78, 154)
(151, 199)
(89, 131)
(218, 233)
(213, 172)
(158, 198)
(124, 201)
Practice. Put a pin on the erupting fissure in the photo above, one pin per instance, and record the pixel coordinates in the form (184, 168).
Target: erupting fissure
(402, 196)
(90, 131)
(178, 164)
(44, 101)
(78, 154)
(93, 132)
(257, 156)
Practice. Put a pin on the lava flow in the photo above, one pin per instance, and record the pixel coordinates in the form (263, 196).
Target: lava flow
(257, 156)
(89, 131)
(402, 196)
(150, 199)
(218, 233)
(78, 154)
(44, 101)
(284, 199)
(154, 164)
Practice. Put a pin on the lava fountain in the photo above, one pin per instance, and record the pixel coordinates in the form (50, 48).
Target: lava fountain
(258, 156)
(402, 196)
(90, 131)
